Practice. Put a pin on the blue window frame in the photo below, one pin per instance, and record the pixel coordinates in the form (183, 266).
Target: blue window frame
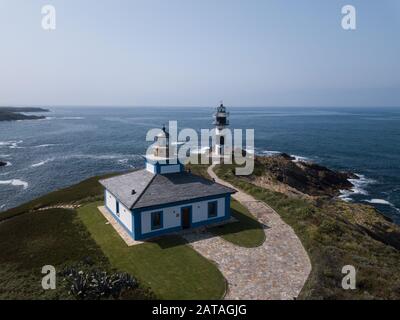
(117, 208)
(156, 220)
(213, 209)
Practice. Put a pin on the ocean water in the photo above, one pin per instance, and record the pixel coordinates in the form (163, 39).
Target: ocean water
(76, 143)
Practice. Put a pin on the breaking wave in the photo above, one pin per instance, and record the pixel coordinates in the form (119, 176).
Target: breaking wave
(121, 159)
(39, 164)
(270, 153)
(46, 145)
(382, 202)
(358, 188)
(299, 158)
(11, 144)
(15, 182)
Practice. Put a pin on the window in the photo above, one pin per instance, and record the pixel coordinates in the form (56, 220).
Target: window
(156, 220)
(212, 209)
(117, 208)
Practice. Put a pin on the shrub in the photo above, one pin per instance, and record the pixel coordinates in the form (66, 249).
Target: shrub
(96, 285)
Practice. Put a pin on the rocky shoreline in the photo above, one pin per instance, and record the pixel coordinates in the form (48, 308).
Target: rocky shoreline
(334, 232)
(301, 177)
(14, 114)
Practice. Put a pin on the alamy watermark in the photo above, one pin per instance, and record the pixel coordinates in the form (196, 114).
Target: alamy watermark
(49, 17)
(49, 22)
(349, 280)
(49, 280)
(187, 147)
(349, 20)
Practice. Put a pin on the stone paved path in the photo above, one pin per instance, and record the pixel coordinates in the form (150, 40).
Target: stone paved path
(277, 269)
(60, 206)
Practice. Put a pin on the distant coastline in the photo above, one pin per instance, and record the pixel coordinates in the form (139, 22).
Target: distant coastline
(18, 113)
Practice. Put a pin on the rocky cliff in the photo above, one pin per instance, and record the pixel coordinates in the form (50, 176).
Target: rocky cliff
(284, 172)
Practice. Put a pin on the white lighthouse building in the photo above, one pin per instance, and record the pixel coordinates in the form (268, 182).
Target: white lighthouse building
(221, 122)
(163, 197)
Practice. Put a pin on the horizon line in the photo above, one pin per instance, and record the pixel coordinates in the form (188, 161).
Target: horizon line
(188, 106)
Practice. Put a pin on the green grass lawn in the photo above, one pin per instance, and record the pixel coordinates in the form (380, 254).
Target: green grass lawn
(30, 241)
(88, 190)
(246, 232)
(171, 268)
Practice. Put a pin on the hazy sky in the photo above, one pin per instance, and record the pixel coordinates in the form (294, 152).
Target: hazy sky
(197, 52)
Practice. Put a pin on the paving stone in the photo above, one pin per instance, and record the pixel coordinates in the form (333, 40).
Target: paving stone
(278, 269)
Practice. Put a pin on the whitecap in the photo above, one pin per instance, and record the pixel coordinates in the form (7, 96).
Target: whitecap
(41, 163)
(11, 144)
(269, 153)
(15, 182)
(125, 162)
(358, 187)
(45, 145)
(382, 202)
(299, 158)
(379, 201)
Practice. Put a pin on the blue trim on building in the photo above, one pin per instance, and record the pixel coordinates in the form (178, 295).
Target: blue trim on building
(136, 232)
(172, 204)
(209, 221)
(157, 233)
(138, 224)
(228, 205)
(158, 165)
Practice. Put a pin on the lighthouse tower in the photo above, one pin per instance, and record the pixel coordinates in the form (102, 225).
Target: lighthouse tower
(221, 122)
(163, 159)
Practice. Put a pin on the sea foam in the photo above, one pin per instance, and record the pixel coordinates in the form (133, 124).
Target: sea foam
(299, 158)
(382, 202)
(15, 182)
(270, 153)
(358, 187)
(11, 144)
(39, 164)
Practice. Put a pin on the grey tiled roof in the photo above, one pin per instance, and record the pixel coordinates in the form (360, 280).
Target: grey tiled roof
(159, 189)
(122, 186)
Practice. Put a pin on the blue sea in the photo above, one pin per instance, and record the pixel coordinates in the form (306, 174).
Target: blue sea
(76, 143)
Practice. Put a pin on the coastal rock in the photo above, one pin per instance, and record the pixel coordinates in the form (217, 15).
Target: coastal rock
(308, 178)
(13, 114)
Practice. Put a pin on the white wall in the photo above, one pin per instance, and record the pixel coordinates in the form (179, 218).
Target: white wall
(200, 210)
(172, 215)
(125, 215)
(150, 167)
